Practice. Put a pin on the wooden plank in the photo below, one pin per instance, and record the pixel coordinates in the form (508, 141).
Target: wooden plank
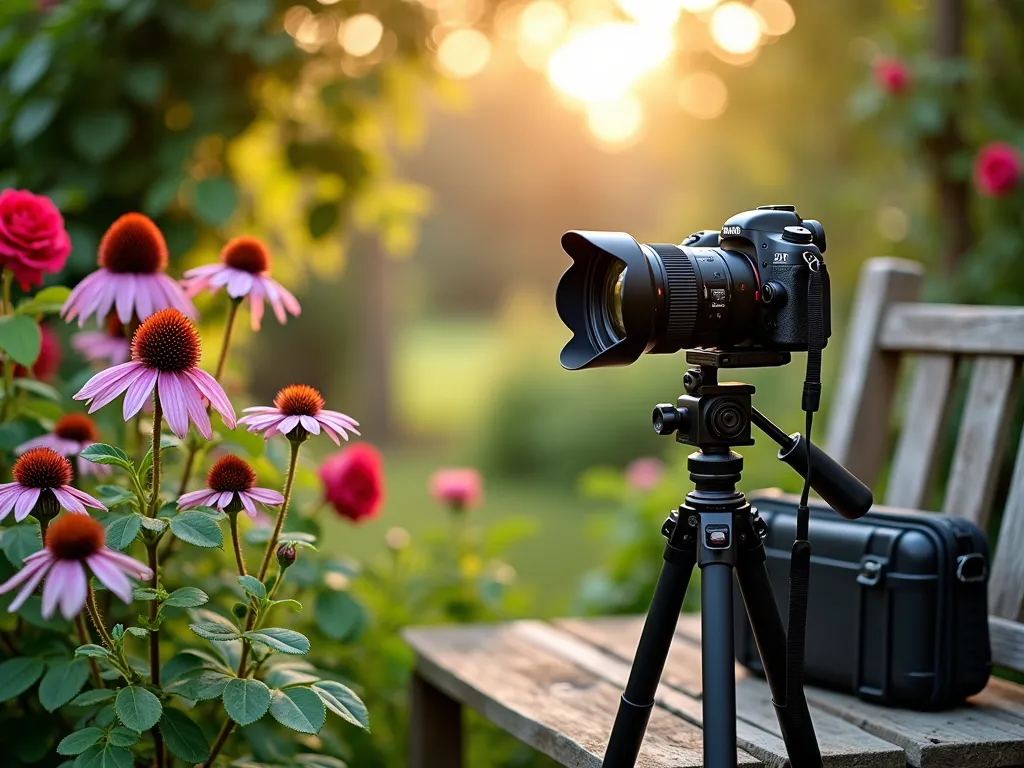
(1007, 639)
(543, 700)
(954, 329)
(921, 434)
(859, 415)
(1006, 583)
(841, 743)
(976, 459)
(985, 734)
(435, 725)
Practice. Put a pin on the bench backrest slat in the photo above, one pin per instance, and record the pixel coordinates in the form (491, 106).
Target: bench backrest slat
(890, 332)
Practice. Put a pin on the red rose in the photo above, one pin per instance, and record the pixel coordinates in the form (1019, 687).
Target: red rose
(32, 236)
(457, 488)
(997, 169)
(354, 482)
(892, 75)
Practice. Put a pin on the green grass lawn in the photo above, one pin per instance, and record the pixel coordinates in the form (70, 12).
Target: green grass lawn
(549, 562)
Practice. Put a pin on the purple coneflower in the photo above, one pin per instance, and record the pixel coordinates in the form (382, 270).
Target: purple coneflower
(72, 543)
(42, 477)
(244, 269)
(229, 486)
(165, 355)
(131, 279)
(107, 347)
(72, 434)
(298, 407)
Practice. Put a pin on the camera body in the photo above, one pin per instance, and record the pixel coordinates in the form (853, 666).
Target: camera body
(783, 249)
(743, 287)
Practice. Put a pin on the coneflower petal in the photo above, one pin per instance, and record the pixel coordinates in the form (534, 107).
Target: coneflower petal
(58, 580)
(247, 504)
(225, 498)
(112, 391)
(255, 311)
(68, 502)
(194, 406)
(138, 392)
(30, 584)
(239, 284)
(110, 575)
(103, 304)
(26, 572)
(129, 565)
(332, 434)
(83, 497)
(26, 503)
(266, 496)
(310, 424)
(125, 301)
(101, 379)
(209, 387)
(72, 597)
(173, 401)
(195, 498)
(261, 409)
(144, 305)
(288, 423)
(337, 416)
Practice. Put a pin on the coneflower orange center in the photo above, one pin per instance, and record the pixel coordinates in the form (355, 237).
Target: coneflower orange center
(133, 243)
(42, 468)
(246, 253)
(167, 341)
(299, 400)
(230, 473)
(77, 427)
(75, 537)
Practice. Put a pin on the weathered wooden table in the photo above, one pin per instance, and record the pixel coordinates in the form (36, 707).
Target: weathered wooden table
(556, 687)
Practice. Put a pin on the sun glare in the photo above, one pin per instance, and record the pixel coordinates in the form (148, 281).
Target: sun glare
(616, 123)
(464, 53)
(653, 12)
(703, 95)
(361, 34)
(777, 16)
(735, 28)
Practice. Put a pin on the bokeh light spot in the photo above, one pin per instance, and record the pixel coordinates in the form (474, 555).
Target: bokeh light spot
(464, 53)
(655, 12)
(777, 16)
(735, 28)
(361, 34)
(703, 95)
(616, 123)
(542, 23)
(697, 6)
(892, 223)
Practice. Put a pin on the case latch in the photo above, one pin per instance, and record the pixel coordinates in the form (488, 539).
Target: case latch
(971, 568)
(871, 570)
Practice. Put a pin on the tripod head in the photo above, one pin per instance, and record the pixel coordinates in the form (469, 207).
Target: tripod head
(715, 417)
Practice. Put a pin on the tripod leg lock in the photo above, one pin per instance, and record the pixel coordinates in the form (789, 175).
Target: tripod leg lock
(627, 734)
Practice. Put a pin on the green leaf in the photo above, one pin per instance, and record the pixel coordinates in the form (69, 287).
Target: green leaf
(144, 82)
(342, 701)
(30, 65)
(214, 200)
(114, 495)
(96, 136)
(284, 675)
(300, 709)
(161, 193)
(76, 743)
(284, 640)
(187, 597)
(262, 534)
(62, 682)
(101, 453)
(105, 756)
(246, 701)
(32, 119)
(92, 651)
(145, 594)
(123, 737)
(200, 684)
(209, 630)
(38, 388)
(183, 737)
(324, 217)
(49, 300)
(19, 542)
(20, 338)
(187, 661)
(137, 708)
(253, 586)
(137, 631)
(197, 529)
(121, 531)
(88, 698)
(339, 615)
(18, 675)
(153, 524)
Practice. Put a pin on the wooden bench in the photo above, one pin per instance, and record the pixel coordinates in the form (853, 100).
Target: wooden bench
(556, 685)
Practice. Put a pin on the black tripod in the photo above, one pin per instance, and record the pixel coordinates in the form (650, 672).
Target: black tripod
(717, 530)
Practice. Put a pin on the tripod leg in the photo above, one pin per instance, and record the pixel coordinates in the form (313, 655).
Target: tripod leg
(770, 638)
(638, 698)
(718, 665)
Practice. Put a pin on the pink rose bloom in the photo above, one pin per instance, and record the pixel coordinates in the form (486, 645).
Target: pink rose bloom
(997, 169)
(458, 488)
(892, 75)
(644, 474)
(32, 236)
(354, 482)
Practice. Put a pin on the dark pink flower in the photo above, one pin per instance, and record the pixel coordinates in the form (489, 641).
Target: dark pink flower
(457, 487)
(997, 169)
(892, 75)
(644, 474)
(354, 482)
(32, 236)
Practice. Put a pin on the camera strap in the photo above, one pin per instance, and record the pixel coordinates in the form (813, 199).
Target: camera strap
(800, 562)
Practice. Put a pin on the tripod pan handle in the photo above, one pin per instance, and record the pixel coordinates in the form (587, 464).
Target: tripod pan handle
(840, 489)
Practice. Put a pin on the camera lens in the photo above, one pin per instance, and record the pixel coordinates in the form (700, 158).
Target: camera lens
(726, 419)
(614, 297)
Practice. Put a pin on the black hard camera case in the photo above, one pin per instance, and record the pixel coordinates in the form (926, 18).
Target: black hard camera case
(898, 609)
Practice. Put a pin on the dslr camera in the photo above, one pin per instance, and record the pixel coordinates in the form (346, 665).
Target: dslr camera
(742, 288)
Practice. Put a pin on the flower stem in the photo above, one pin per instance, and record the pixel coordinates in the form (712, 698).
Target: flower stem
(44, 523)
(279, 525)
(97, 619)
(8, 307)
(218, 745)
(152, 548)
(154, 499)
(239, 560)
(84, 639)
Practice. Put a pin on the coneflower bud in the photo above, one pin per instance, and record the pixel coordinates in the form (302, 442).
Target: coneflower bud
(396, 538)
(286, 555)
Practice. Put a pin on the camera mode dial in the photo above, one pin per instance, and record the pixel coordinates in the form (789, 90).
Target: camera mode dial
(799, 235)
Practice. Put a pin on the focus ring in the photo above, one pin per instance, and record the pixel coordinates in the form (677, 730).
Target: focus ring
(682, 293)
